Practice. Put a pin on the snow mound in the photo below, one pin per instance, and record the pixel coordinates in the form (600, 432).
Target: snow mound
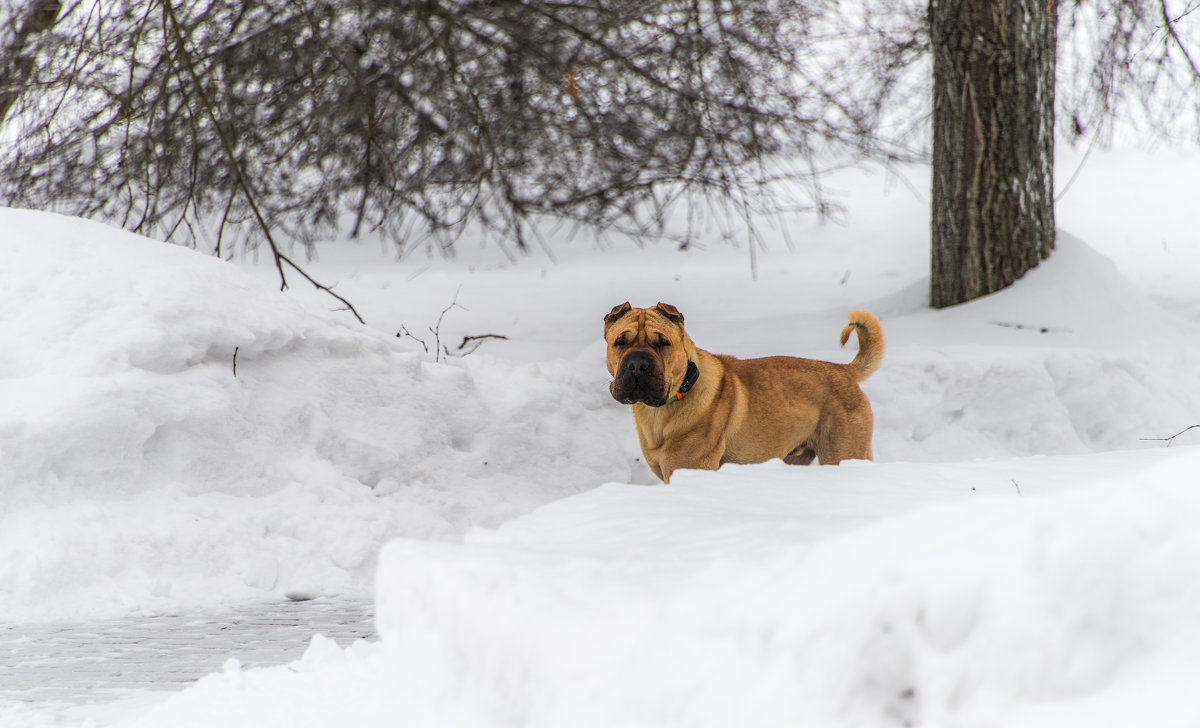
(1072, 358)
(966, 602)
(87, 300)
(1050, 591)
(137, 472)
(1077, 297)
(140, 471)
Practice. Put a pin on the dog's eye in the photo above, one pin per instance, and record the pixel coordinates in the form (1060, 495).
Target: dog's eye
(620, 341)
(662, 342)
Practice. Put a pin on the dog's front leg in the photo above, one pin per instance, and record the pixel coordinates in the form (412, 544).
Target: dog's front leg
(671, 461)
(658, 473)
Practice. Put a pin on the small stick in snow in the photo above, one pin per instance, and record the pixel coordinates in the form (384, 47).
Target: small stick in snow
(1039, 329)
(437, 330)
(1018, 485)
(1170, 439)
(478, 340)
(441, 350)
(235, 350)
(403, 332)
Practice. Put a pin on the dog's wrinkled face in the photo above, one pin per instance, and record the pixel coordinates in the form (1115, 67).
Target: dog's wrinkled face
(647, 355)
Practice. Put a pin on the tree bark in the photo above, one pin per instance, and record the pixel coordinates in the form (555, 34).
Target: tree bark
(993, 143)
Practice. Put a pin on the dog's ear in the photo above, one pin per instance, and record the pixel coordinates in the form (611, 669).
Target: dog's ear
(670, 312)
(616, 313)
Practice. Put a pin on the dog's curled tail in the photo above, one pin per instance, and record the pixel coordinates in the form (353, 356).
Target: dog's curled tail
(870, 342)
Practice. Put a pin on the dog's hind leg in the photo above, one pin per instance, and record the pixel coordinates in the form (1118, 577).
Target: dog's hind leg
(804, 454)
(846, 440)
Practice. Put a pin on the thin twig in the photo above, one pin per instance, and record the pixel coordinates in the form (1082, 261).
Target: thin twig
(405, 333)
(235, 351)
(1170, 24)
(349, 306)
(478, 340)
(1078, 169)
(437, 330)
(1170, 439)
(1039, 329)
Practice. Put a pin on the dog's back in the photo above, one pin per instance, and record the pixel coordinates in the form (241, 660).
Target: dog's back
(801, 409)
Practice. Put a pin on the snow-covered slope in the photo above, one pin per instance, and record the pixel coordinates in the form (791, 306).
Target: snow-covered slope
(1042, 592)
(873, 595)
(1017, 555)
(138, 471)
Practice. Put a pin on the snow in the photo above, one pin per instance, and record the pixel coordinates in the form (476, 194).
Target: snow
(930, 604)
(139, 472)
(1016, 555)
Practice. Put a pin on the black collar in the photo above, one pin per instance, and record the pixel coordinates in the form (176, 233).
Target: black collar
(689, 379)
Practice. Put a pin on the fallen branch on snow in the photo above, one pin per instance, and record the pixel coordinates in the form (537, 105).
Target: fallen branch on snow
(1039, 329)
(477, 340)
(1170, 439)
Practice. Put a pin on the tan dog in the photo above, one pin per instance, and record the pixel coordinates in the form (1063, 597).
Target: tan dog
(699, 410)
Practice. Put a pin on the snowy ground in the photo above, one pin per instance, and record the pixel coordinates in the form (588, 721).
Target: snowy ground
(1016, 555)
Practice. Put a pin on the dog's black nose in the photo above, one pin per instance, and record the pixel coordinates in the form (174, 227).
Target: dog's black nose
(637, 363)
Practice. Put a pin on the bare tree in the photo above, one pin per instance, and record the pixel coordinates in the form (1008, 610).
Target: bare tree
(199, 121)
(1132, 61)
(280, 120)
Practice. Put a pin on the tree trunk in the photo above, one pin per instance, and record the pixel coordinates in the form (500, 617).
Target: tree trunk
(993, 143)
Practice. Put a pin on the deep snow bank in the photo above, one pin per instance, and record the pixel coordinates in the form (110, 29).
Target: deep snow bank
(869, 595)
(1072, 358)
(137, 471)
(993, 594)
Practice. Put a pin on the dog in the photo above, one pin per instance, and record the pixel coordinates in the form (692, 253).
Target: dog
(699, 410)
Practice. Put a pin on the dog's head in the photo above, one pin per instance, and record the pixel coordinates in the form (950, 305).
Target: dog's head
(648, 353)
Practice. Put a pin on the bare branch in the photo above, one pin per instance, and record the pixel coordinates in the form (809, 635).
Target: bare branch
(242, 122)
(1031, 327)
(1170, 439)
(1169, 24)
(280, 259)
(405, 333)
(476, 341)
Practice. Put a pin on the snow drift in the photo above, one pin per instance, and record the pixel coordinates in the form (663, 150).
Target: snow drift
(1049, 591)
(138, 471)
(725, 601)
(1013, 558)
(141, 472)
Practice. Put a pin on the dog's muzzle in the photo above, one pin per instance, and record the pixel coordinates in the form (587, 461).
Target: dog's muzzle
(639, 378)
